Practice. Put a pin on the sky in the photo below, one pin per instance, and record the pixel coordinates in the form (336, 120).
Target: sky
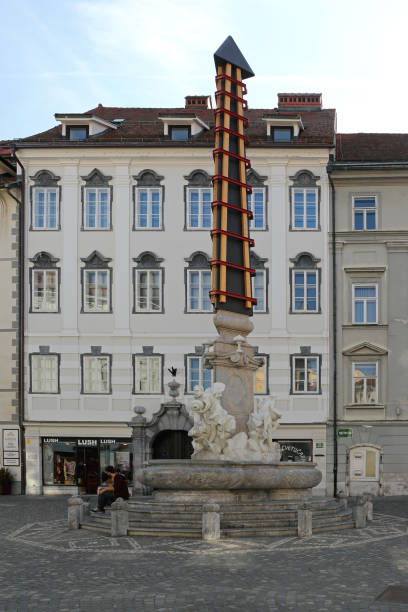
(62, 56)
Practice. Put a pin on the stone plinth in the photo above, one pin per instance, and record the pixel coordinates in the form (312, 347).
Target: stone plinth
(201, 481)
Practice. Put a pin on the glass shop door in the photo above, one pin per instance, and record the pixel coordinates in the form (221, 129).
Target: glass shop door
(88, 469)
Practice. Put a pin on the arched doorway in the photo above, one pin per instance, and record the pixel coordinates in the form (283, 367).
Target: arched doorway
(172, 444)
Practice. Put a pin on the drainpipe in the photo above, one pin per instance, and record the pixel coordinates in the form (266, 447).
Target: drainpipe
(334, 297)
(21, 296)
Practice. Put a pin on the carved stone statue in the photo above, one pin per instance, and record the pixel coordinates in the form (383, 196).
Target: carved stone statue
(213, 426)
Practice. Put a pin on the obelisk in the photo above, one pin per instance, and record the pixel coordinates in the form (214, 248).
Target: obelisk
(231, 357)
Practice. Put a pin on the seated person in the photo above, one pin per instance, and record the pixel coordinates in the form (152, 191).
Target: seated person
(105, 491)
(120, 486)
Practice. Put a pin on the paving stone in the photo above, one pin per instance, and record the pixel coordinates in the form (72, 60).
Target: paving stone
(45, 567)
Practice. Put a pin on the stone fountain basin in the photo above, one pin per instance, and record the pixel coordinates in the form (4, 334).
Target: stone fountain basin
(181, 480)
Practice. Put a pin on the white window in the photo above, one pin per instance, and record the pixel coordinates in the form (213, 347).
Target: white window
(365, 213)
(45, 208)
(305, 373)
(304, 209)
(96, 374)
(259, 290)
(44, 373)
(198, 288)
(97, 208)
(365, 383)
(148, 208)
(148, 288)
(197, 374)
(147, 374)
(365, 304)
(199, 207)
(261, 377)
(256, 204)
(96, 291)
(44, 296)
(305, 291)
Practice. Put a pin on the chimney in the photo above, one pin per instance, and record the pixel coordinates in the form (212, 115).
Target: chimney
(298, 101)
(198, 102)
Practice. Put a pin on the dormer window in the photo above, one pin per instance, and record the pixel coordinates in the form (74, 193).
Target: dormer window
(180, 132)
(77, 132)
(282, 134)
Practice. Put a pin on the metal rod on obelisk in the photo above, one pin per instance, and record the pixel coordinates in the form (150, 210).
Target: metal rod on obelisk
(231, 271)
(231, 357)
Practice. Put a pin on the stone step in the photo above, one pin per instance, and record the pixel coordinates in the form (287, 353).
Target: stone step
(157, 515)
(165, 533)
(91, 526)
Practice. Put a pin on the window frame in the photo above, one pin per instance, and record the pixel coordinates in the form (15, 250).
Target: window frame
(265, 357)
(85, 190)
(259, 271)
(149, 227)
(159, 356)
(305, 356)
(33, 271)
(187, 370)
(83, 359)
(136, 271)
(199, 188)
(305, 271)
(364, 210)
(377, 379)
(48, 188)
(305, 188)
(45, 354)
(200, 310)
(365, 300)
(82, 127)
(263, 189)
(176, 127)
(281, 127)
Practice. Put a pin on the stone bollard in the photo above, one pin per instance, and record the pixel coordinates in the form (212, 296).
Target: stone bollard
(369, 507)
(74, 512)
(304, 516)
(119, 518)
(84, 511)
(360, 513)
(211, 522)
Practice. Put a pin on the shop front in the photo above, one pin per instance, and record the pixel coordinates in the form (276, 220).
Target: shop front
(296, 450)
(78, 462)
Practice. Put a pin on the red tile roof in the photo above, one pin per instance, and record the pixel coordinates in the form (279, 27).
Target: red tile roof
(142, 126)
(371, 147)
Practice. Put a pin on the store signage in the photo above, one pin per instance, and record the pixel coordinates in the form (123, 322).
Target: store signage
(87, 442)
(50, 440)
(108, 441)
(292, 449)
(11, 447)
(319, 444)
(345, 433)
(11, 440)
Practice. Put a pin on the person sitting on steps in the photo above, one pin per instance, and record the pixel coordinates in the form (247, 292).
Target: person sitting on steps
(106, 493)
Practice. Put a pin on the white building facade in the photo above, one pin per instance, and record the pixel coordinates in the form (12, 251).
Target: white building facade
(118, 272)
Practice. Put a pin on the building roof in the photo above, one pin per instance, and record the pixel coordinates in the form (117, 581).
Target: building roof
(143, 126)
(371, 147)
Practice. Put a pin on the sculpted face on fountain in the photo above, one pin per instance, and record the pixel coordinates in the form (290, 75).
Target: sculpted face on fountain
(214, 427)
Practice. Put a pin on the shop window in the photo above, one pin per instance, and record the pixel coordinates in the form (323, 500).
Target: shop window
(59, 461)
(117, 453)
(296, 450)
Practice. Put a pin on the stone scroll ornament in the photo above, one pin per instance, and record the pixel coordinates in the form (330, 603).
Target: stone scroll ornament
(213, 429)
(231, 271)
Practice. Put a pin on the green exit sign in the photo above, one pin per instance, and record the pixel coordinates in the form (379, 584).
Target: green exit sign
(345, 433)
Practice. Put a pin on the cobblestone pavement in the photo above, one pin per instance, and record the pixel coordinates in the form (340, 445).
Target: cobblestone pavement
(45, 567)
